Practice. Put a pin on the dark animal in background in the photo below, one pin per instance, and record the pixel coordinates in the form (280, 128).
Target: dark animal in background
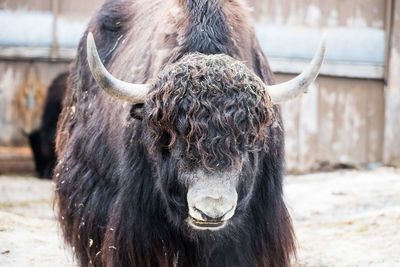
(182, 165)
(42, 140)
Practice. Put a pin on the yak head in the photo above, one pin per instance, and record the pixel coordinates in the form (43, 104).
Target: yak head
(205, 121)
(206, 118)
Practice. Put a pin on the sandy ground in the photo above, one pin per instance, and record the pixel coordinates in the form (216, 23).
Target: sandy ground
(344, 218)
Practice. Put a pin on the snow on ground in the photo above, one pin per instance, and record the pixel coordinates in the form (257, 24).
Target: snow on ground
(344, 218)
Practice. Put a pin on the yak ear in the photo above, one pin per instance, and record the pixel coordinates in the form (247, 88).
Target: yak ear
(137, 111)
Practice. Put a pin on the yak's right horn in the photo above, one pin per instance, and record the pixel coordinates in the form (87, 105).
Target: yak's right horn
(135, 93)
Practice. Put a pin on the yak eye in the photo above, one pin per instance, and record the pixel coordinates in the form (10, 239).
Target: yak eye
(137, 111)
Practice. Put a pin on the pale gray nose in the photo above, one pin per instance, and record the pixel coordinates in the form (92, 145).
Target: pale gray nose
(212, 204)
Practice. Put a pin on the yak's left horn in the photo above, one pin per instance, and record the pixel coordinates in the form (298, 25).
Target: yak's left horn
(288, 90)
(135, 93)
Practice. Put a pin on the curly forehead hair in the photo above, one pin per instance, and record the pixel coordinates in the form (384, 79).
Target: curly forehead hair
(215, 104)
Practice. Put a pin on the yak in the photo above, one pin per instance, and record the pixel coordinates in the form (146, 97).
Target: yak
(42, 140)
(170, 143)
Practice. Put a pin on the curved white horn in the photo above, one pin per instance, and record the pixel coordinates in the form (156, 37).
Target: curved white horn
(135, 93)
(288, 90)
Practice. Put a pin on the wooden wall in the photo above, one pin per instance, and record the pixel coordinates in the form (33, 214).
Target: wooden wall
(322, 13)
(76, 10)
(23, 88)
(392, 91)
(343, 120)
(340, 121)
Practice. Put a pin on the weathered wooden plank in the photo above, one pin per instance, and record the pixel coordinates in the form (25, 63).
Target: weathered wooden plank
(16, 160)
(309, 129)
(301, 121)
(314, 13)
(29, 101)
(330, 13)
(9, 82)
(376, 123)
(281, 65)
(331, 68)
(388, 29)
(339, 121)
(37, 5)
(349, 116)
(23, 87)
(291, 112)
(317, 13)
(343, 125)
(54, 43)
(37, 53)
(391, 154)
(327, 124)
(68, 9)
(370, 13)
(346, 10)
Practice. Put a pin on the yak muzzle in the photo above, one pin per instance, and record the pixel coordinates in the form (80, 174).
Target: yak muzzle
(211, 205)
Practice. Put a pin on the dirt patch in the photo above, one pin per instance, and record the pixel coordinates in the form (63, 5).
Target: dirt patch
(344, 218)
(29, 235)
